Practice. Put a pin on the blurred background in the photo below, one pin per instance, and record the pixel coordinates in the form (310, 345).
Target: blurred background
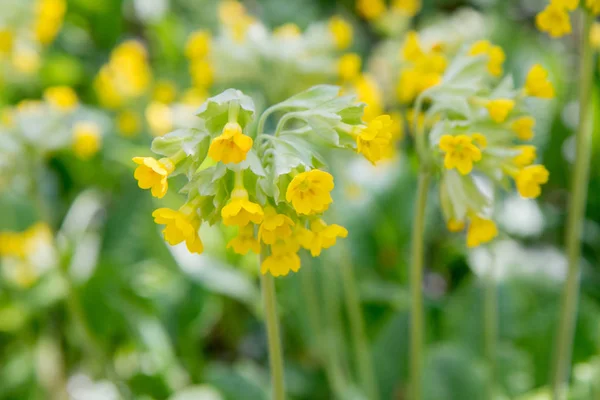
(93, 303)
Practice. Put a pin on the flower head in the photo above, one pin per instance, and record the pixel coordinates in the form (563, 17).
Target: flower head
(499, 109)
(152, 174)
(460, 152)
(240, 211)
(62, 98)
(349, 66)
(86, 139)
(283, 258)
(554, 20)
(481, 231)
(530, 179)
(370, 9)
(537, 83)
(341, 31)
(310, 192)
(202, 73)
(198, 45)
(274, 226)
(244, 241)
(526, 156)
(129, 123)
(495, 55)
(321, 236)
(570, 5)
(231, 146)
(373, 140)
(180, 225)
(523, 127)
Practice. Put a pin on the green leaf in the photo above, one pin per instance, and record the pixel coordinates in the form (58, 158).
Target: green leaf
(215, 111)
(312, 97)
(190, 140)
(253, 163)
(205, 181)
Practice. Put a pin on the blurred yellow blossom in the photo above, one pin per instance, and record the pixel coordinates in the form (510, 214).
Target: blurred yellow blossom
(349, 66)
(86, 139)
(537, 83)
(530, 179)
(593, 6)
(281, 261)
(287, 31)
(164, 92)
(454, 225)
(49, 19)
(129, 123)
(202, 73)
(407, 7)
(26, 61)
(460, 152)
(321, 236)
(523, 127)
(480, 231)
(370, 9)
(6, 41)
(198, 45)
(341, 31)
(499, 109)
(63, 98)
(495, 55)
(526, 156)
(368, 92)
(554, 20)
(159, 117)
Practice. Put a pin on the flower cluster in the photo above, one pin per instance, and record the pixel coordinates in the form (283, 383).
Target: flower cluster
(555, 19)
(375, 9)
(270, 185)
(478, 124)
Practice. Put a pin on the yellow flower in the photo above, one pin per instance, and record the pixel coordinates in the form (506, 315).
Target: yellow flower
(281, 260)
(526, 157)
(523, 127)
(233, 15)
(408, 7)
(152, 174)
(411, 49)
(240, 211)
(593, 5)
(321, 236)
(373, 140)
(460, 152)
(310, 192)
(499, 109)
(129, 123)
(231, 146)
(537, 83)
(287, 31)
(49, 18)
(198, 45)
(529, 180)
(368, 92)
(495, 55)
(274, 226)
(180, 225)
(455, 225)
(370, 9)
(594, 36)
(408, 85)
(480, 231)
(554, 20)
(349, 66)
(570, 5)
(7, 39)
(160, 118)
(341, 31)
(86, 139)
(129, 70)
(202, 73)
(61, 97)
(164, 92)
(244, 241)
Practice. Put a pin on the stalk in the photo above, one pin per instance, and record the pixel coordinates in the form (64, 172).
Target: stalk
(272, 324)
(491, 327)
(576, 214)
(416, 288)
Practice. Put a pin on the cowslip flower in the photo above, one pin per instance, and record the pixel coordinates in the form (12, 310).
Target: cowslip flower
(153, 174)
(370, 9)
(369, 92)
(164, 91)
(245, 241)
(231, 146)
(495, 55)
(593, 6)
(554, 20)
(460, 152)
(537, 83)
(283, 259)
(198, 45)
(530, 179)
(310, 192)
(202, 73)
(523, 127)
(527, 155)
(62, 98)
(129, 123)
(341, 31)
(321, 236)
(86, 139)
(349, 67)
(7, 39)
(454, 225)
(480, 231)
(240, 211)
(373, 140)
(274, 226)
(499, 109)
(181, 225)
(407, 7)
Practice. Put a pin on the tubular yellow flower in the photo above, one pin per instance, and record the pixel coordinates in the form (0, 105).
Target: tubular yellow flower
(526, 157)
(460, 153)
(274, 226)
(321, 236)
(245, 241)
(7, 39)
(411, 49)
(523, 127)
(481, 231)
(373, 140)
(495, 55)
(231, 146)
(480, 140)
(407, 7)
(180, 225)
(198, 45)
(49, 19)
(341, 31)
(86, 139)
(152, 174)
(202, 73)
(240, 211)
(310, 192)
(370, 9)
(455, 225)
(530, 179)
(159, 117)
(570, 5)
(537, 83)
(349, 67)
(62, 98)
(499, 109)
(164, 92)
(129, 123)
(554, 20)
(369, 93)
(282, 260)
(593, 6)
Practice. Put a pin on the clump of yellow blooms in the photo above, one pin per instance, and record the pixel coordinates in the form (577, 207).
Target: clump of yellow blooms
(341, 31)
(555, 19)
(475, 132)
(87, 139)
(375, 9)
(271, 186)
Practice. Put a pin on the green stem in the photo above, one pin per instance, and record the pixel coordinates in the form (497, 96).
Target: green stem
(416, 288)
(357, 328)
(491, 327)
(275, 353)
(576, 214)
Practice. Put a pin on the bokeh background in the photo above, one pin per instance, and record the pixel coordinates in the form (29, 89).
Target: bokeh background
(94, 305)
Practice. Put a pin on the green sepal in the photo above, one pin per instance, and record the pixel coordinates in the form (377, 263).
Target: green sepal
(215, 110)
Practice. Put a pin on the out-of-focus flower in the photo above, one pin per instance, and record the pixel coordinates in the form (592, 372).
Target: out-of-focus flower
(62, 97)
(341, 31)
(202, 73)
(481, 231)
(287, 31)
(321, 236)
(198, 45)
(245, 241)
(7, 39)
(523, 127)
(554, 20)
(349, 67)
(460, 152)
(87, 139)
(368, 91)
(499, 109)
(234, 18)
(129, 123)
(159, 117)
(530, 179)
(537, 83)
(49, 19)
(370, 9)
(164, 92)
(407, 7)
(495, 55)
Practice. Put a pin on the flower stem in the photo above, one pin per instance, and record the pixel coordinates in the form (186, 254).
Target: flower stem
(416, 288)
(491, 327)
(576, 214)
(272, 324)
